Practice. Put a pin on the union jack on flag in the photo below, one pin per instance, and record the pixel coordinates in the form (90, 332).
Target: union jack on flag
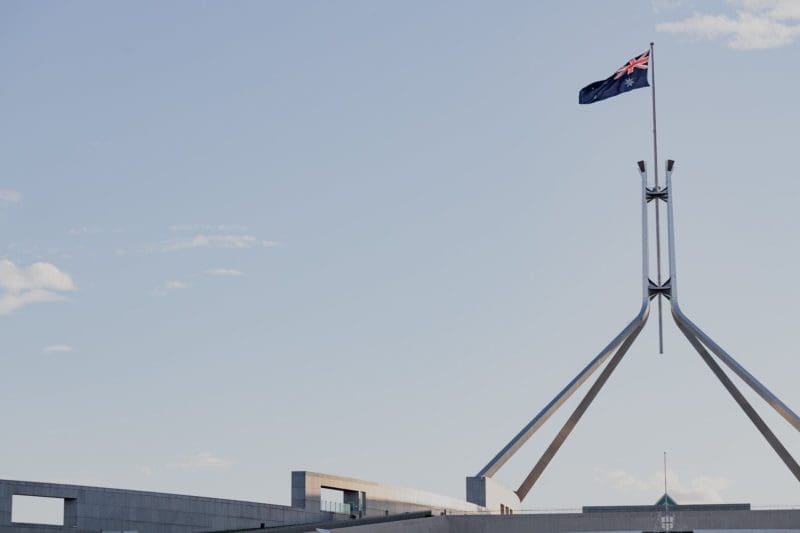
(632, 75)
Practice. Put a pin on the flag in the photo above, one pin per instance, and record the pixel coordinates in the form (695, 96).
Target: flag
(632, 75)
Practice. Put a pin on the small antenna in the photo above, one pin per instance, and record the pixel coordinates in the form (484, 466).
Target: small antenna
(666, 524)
(665, 479)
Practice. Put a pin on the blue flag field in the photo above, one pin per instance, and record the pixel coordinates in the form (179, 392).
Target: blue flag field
(632, 75)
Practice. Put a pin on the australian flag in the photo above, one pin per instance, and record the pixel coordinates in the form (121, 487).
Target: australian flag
(632, 75)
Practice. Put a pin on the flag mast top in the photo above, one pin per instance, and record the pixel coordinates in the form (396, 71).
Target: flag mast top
(633, 75)
(657, 206)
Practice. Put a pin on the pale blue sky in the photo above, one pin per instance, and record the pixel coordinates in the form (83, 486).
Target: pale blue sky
(375, 238)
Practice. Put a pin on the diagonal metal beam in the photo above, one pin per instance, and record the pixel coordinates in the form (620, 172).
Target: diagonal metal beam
(729, 361)
(739, 370)
(751, 413)
(637, 323)
(572, 421)
(531, 427)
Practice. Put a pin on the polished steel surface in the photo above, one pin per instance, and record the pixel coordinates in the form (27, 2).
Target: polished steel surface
(630, 331)
(527, 432)
(680, 317)
(622, 342)
(751, 413)
(657, 205)
(572, 421)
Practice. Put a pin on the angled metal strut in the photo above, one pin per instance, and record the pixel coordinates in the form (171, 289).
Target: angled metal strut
(702, 343)
(751, 413)
(618, 347)
(682, 320)
(572, 421)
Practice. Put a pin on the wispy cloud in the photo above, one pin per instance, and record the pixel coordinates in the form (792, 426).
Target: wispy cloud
(699, 489)
(9, 197)
(40, 282)
(58, 348)
(778, 9)
(756, 25)
(10, 302)
(201, 460)
(204, 240)
(196, 279)
(193, 228)
(224, 272)
(665, 5)
(171, 285)
(83, 230)
(192, 237)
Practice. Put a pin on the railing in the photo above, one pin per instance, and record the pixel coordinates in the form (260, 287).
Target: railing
(775, 507)
(346, 508)
(334, 507)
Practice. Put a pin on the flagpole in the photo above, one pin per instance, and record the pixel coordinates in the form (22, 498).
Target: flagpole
(658, 206)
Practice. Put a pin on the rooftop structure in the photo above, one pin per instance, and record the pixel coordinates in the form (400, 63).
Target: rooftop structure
(383, 508)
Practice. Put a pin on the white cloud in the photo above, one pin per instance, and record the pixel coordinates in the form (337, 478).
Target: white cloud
(58, 348)
(230, 272)
(204, 240)
(10, 302)
(172, 285)
(90, 230)
(758, 25)
(202, 460)
(182, 228)
(777, 9)
(40, 282)
(187, 237)
(8, 197)
(665, 5)
(37, 276)
(699, 489)
(622, 480)
(145, 470)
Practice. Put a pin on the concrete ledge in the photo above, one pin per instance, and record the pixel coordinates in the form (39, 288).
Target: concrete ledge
(492, 495)
(378, 498)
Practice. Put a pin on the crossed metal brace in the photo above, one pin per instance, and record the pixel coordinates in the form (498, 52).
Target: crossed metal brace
(619, 346)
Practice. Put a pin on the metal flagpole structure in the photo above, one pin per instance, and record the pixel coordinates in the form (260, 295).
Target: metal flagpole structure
(656, 190)
(632, 329)
(682, 320)
(614, 352)
(618, 347)
(627, 341)
(700, 341)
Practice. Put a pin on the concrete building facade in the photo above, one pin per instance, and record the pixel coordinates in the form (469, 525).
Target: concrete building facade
(95, 509)
(368, 498)
(102, 510)
(697, 521)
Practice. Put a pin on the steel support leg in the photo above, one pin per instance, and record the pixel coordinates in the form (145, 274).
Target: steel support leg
(740, 371)
(527, 432)
(776, 444)
(570, 424)
(696, 332)
(635, 325)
